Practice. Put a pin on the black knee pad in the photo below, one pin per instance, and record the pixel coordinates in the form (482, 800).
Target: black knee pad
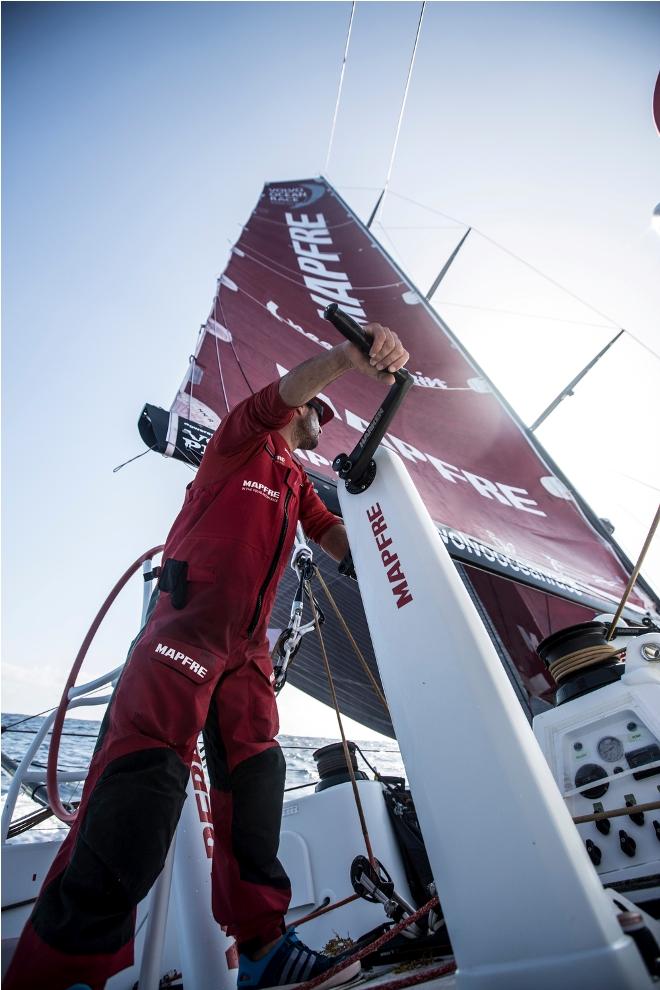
(119, 851)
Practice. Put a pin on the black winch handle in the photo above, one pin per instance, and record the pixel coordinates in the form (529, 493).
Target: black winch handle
(358, 468)
(354, 333)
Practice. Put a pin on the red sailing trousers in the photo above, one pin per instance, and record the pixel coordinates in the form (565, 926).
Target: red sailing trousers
(201, 663)
(82, 927)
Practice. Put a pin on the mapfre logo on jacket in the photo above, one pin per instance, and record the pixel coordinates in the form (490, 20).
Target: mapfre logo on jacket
(260, 489)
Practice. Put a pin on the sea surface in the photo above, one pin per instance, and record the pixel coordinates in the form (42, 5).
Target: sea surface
(78, 744)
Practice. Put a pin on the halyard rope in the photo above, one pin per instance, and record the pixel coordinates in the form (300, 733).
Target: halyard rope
(633, 576)
(347, 754)
(365, 665)
(373, 946)
(588, 657)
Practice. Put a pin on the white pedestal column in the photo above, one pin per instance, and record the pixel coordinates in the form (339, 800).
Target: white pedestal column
(524, 905)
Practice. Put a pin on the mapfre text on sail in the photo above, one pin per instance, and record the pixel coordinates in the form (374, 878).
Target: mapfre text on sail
(326, 284)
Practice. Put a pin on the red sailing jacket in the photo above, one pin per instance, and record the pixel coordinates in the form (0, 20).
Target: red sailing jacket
(238, 521)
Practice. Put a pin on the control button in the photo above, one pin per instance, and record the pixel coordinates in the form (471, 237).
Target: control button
(631, 726)
(604, 826)
(577, 746)
(656, 826)
(627, 843)
(595, 855)
(618, 770)
(637, 817)
(588, 774)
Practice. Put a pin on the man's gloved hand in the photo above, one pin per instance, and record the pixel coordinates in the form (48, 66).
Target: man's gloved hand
(301, 554)
(347, 567)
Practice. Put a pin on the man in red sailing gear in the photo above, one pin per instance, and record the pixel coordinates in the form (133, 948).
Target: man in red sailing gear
(202, 663)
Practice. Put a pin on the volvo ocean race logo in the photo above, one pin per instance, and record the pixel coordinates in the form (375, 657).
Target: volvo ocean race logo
(303, 194)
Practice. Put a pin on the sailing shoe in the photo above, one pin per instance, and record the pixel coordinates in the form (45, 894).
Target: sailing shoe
(289, 963)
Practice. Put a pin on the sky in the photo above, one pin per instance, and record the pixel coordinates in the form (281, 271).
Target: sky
(136, 139)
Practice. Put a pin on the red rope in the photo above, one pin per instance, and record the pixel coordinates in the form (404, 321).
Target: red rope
(53, 752)
(427, 974)
(368, 949)
(320, 911)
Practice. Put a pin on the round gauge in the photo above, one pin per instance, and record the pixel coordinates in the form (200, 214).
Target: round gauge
(610, 749)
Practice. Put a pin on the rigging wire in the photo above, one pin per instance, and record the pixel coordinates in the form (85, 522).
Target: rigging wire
(525, 316)
(380, 199)
(531, 267)
(341, 83)
(397, 250)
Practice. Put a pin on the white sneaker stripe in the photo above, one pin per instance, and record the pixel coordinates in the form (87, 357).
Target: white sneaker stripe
(304, 958)
(308, 969)
(290, 963)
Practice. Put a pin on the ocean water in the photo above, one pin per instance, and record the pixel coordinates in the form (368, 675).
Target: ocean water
(80, 737)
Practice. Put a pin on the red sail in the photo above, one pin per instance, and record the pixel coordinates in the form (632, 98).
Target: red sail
(498, 501)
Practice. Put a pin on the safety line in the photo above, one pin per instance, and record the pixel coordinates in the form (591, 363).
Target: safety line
(341, 83)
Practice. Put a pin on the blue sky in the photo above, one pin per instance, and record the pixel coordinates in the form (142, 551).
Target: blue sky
(136, 139)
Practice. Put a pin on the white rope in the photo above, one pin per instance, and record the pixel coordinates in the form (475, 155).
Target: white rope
(341, 83)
